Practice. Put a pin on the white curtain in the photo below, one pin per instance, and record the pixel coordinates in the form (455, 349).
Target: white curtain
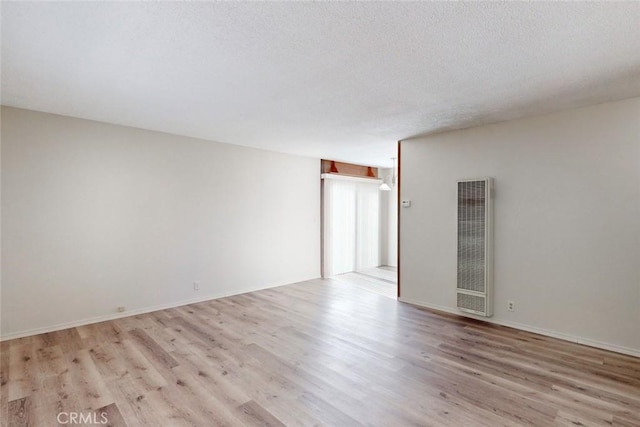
(367, 226)
(351, 225)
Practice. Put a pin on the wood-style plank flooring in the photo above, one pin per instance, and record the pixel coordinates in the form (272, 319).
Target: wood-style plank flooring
(381, 280)
(313, 353)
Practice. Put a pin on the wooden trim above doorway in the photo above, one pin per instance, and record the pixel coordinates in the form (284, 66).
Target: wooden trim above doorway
(349, 169)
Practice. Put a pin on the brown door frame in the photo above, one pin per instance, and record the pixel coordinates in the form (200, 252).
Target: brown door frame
(398, 209)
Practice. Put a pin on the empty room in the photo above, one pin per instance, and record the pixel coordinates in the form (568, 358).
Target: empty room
(320, 214)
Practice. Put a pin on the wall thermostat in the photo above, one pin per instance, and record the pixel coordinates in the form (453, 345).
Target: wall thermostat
(406, 203)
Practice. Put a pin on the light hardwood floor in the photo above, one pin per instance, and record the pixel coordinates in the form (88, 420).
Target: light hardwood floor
(381, 280)
(313, 353)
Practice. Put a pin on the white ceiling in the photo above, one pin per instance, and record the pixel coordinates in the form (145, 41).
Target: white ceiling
(334, 80)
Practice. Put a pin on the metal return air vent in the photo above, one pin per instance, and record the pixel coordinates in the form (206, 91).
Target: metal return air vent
(474, 288)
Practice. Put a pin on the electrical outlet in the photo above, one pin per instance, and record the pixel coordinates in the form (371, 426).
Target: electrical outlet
(196, 286)
(511, 306)
(121, 309)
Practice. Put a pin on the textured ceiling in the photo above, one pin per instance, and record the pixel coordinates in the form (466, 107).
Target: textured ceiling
(335, 80)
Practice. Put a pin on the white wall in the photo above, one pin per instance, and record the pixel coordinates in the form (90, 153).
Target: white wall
(96, 216)
(392, 233)
(567, 220)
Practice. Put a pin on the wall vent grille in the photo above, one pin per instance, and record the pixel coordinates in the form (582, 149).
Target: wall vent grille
(471, 303)
(474, 221)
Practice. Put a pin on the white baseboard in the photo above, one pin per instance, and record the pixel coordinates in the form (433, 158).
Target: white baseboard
(535, 330)
(128, 313)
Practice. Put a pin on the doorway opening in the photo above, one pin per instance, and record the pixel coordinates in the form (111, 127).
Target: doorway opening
(359, 237)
